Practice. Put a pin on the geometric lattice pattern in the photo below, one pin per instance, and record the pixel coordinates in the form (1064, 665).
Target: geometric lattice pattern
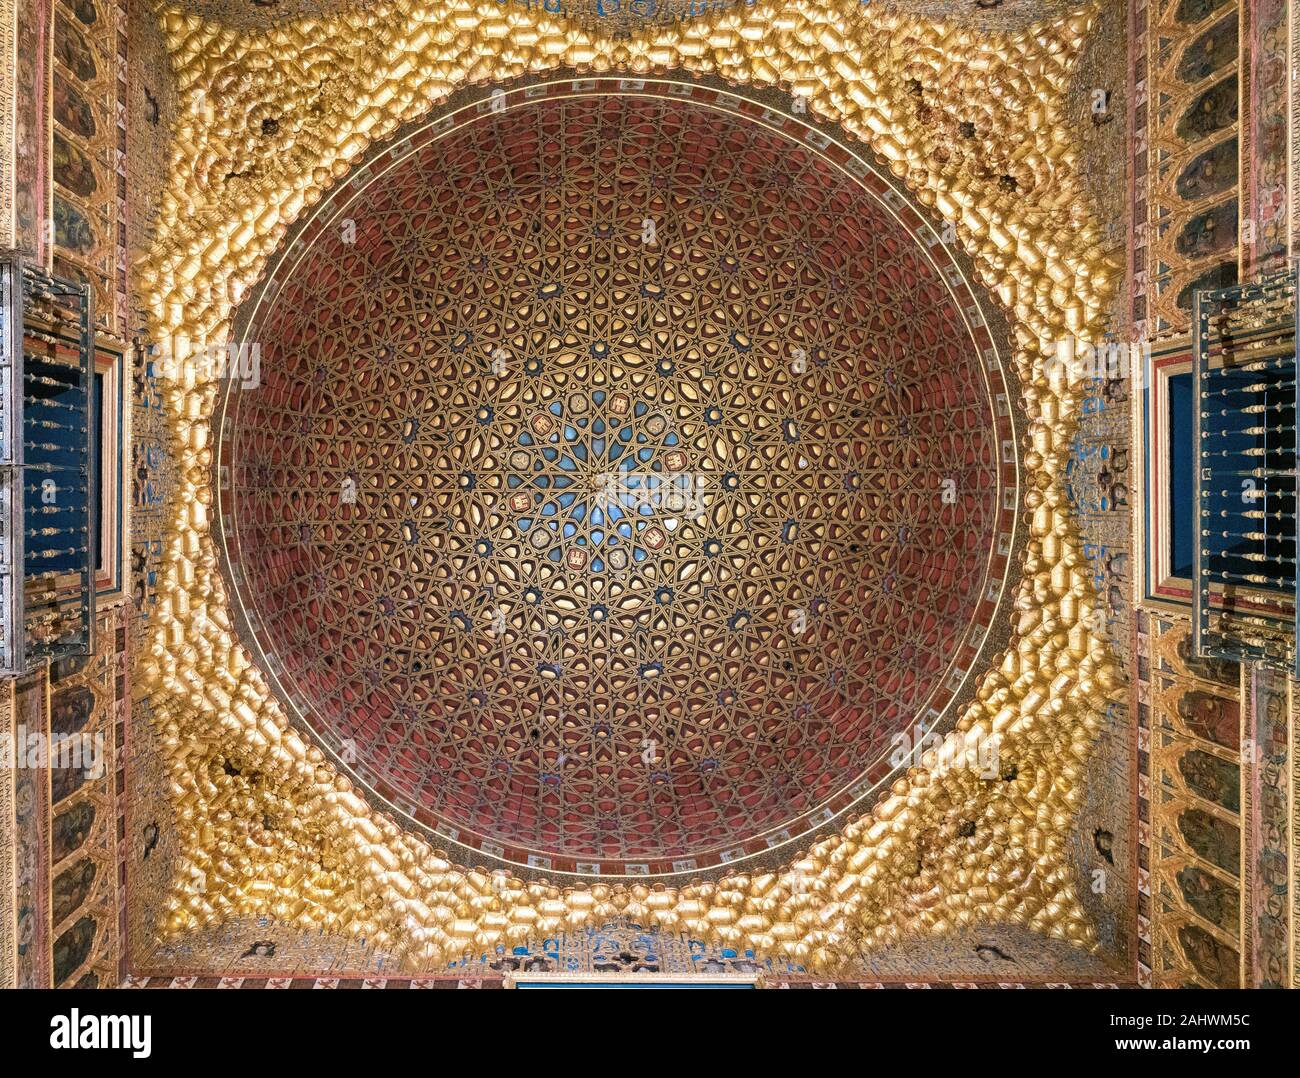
(622, 477)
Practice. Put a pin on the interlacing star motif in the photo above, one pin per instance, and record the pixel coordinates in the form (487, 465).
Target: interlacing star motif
(618, 484)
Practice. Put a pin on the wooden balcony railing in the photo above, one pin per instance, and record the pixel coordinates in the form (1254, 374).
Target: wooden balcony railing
(1245, 394)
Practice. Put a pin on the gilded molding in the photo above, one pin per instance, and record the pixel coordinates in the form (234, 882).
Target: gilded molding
(8, 848)
(8, 117)
(349, 80)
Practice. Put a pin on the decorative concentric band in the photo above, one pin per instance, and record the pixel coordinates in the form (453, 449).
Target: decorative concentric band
(630, 471)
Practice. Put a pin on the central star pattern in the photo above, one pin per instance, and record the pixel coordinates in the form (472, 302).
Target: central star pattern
(655, 545)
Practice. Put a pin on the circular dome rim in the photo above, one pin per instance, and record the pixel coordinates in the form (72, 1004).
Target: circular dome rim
(980, 316)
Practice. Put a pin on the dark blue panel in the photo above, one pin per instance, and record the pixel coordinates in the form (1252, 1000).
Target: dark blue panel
(1182, 480)
(57, 474)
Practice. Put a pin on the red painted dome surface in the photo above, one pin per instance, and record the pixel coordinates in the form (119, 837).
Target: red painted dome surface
(621, 489)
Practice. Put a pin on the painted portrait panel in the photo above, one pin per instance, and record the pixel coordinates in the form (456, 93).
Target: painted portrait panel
(71, 108)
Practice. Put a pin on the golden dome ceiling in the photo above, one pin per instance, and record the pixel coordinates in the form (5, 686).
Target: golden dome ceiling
(623, 476)
(976, 126)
